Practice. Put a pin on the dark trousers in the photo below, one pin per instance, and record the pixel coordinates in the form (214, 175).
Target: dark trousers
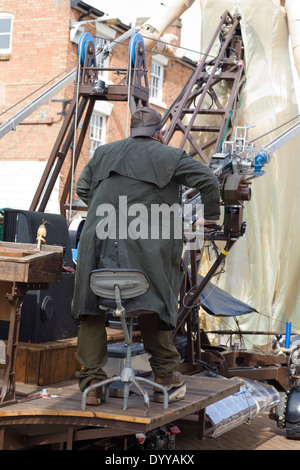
(92, 348)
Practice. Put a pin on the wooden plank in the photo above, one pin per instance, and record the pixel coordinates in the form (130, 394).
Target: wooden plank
(32, 365)
(29, 247)
(21, 365)
(5, 288)
(10, 253)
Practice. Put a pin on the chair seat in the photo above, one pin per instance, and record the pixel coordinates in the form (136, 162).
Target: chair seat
(131, 282)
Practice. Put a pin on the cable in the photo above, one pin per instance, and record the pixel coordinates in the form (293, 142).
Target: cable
(177, 47)
(38, 89)
(275, 129)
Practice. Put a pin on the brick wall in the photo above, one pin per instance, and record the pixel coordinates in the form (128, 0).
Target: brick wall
(39, 53)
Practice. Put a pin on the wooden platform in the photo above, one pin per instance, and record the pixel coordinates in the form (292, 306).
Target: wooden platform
(35, 420)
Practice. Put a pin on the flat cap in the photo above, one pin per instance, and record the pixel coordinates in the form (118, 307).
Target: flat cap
(145, 122)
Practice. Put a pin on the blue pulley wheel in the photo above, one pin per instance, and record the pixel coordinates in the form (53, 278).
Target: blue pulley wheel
(134, 40)
(85, 38)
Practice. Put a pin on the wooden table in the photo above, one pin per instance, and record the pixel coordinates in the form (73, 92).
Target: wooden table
(22, 268)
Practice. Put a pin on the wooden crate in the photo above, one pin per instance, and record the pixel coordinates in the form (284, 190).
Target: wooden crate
(53, 362)
(46, 363)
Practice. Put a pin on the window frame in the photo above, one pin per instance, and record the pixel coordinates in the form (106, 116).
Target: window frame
(96, 141)
(104, 62)
(158, 88)
(10, 16)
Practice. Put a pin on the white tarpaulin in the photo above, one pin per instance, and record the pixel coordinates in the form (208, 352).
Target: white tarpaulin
(262, 269)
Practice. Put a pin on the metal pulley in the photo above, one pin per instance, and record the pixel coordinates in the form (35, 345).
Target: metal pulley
(86, 46)
(136, 46)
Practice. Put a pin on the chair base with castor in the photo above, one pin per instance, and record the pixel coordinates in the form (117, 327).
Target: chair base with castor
(112, 286)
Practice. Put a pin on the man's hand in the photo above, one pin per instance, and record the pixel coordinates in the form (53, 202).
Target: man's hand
(211, 225)
(203, 223)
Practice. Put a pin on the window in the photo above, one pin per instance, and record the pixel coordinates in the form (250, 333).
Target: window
(102, 62)
(97, 132)
(157, 73)
(6, 24)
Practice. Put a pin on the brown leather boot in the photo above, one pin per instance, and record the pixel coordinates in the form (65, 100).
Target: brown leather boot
(95, 396)
(173, 380)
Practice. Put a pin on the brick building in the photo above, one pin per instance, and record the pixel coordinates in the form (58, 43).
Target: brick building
(38, 46)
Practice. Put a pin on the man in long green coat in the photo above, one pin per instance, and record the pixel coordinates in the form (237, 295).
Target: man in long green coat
(122, 184)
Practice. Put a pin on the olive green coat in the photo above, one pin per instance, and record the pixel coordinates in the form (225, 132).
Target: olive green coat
(142, 171)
